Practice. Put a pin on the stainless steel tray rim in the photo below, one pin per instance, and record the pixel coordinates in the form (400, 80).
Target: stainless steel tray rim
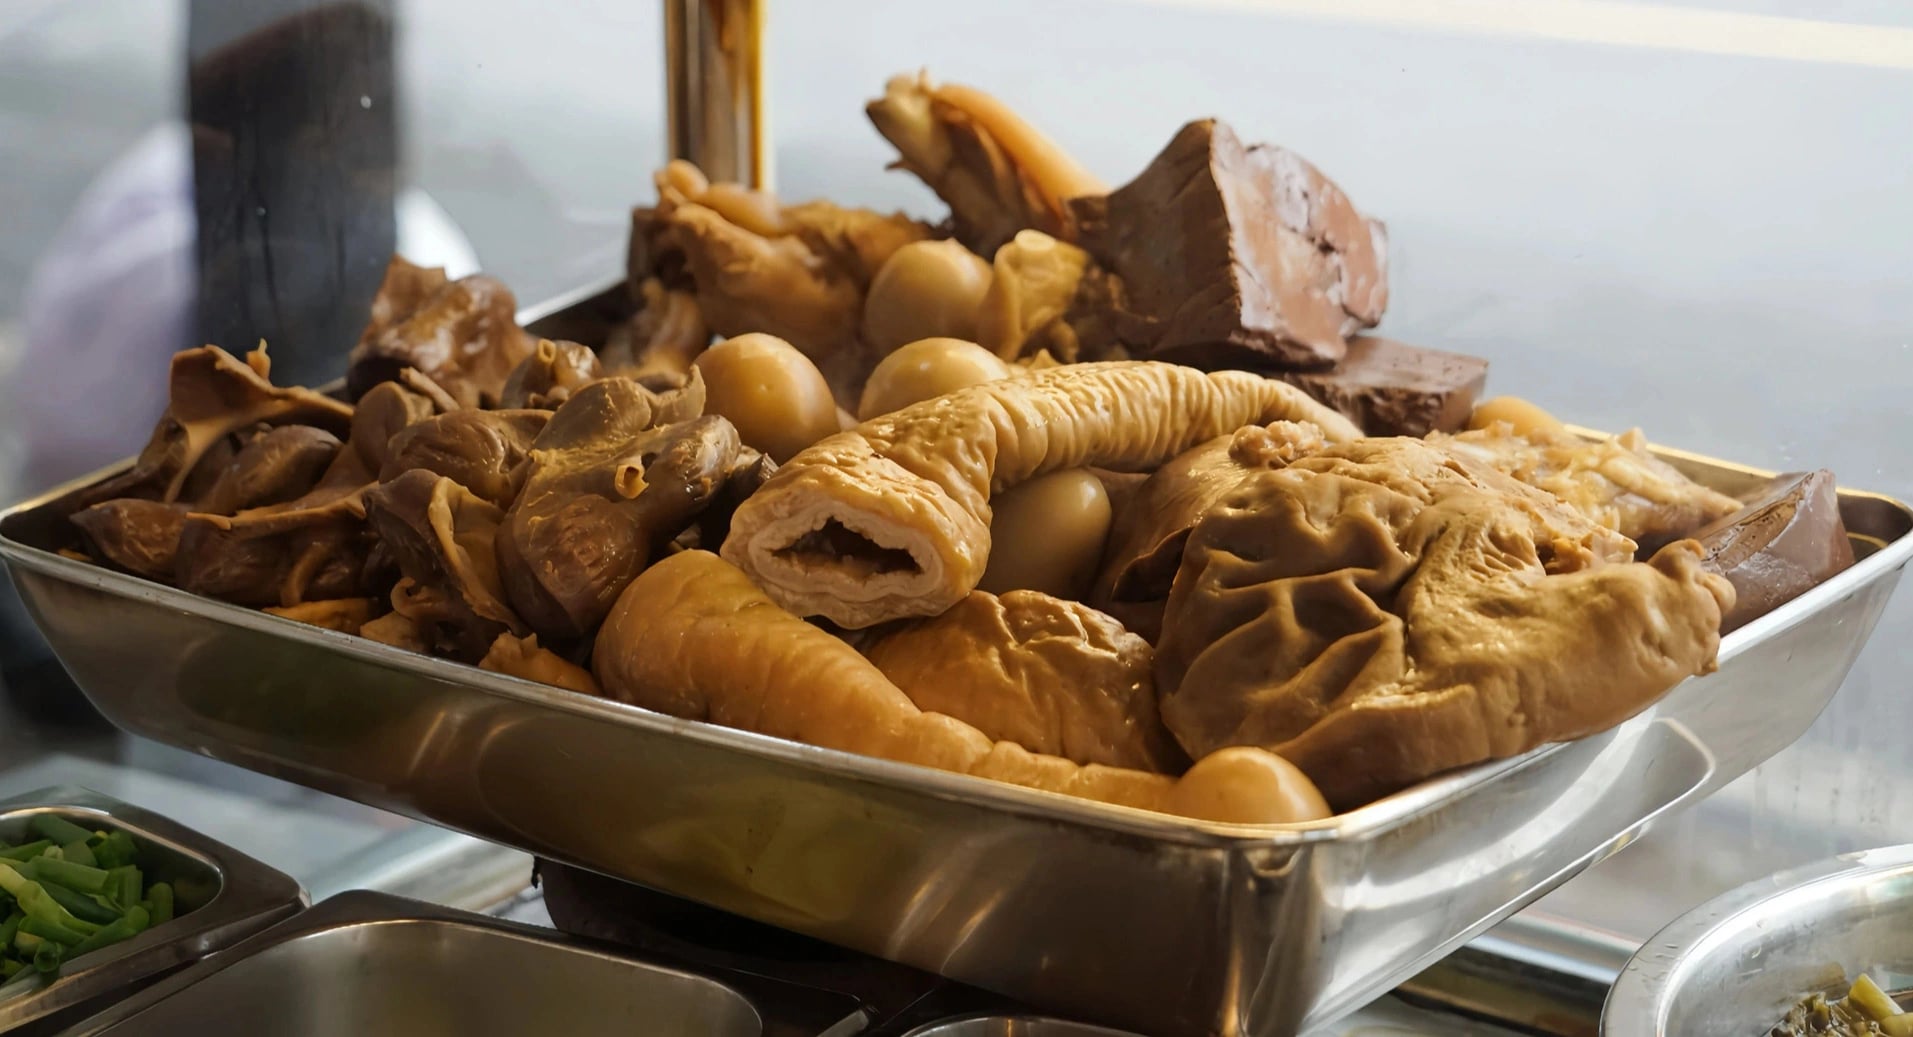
(1635, 1003)
(357, 909)
(250, 896)
(1369, 821)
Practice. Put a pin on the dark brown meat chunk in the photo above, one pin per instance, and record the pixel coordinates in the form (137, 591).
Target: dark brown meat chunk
(464, 337)
(1237, 255)
(481, 450)
(607, 487)
(1390, 388)
(549, 376)
(211, 396)
(444, 539)
(1785, 542)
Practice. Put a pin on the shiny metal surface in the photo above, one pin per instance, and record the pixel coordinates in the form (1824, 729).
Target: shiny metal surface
(1731, 967)
(1133, 919)
(370, 965)
(223, 896)
(714, 88)
(1012, 1026)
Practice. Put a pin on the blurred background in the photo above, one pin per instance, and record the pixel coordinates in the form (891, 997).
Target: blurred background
(1693, 217)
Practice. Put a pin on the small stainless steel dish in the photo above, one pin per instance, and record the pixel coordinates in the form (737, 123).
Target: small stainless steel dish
(371, 965)
(1012, 1026)
(1733, 966)
(223, 896)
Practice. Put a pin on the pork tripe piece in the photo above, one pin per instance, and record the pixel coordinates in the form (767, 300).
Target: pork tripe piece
(1615, 482)
(1056, 677)
(892, 519)
(694, 637)
(1381, 611)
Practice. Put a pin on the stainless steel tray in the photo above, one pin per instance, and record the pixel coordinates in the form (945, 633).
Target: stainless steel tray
(224, 897)
(1734, 965)
(1012, 1026)
(371, 964)
(1141, 921)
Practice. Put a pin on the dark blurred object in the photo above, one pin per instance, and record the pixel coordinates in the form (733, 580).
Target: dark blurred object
(294, 156)
(896, 997)
(294, 172)
(35, 684)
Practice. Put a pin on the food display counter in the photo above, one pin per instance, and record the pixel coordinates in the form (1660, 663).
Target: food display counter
(1054, 599)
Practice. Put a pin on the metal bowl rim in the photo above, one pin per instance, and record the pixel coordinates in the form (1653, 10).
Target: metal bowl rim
(1641, 995)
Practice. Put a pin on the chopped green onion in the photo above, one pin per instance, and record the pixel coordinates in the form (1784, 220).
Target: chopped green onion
(132, 925)
(66, 873)
(124, 885)
(8, 967)
(59, 829)
(8, 928)
(47, 957)
(160, 897)
(79, 853)
(54, 931)
(21, 853)
(115, 850)
(81, 906)
(36, 902)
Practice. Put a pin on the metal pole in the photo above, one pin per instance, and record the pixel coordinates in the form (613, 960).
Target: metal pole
(714, 88)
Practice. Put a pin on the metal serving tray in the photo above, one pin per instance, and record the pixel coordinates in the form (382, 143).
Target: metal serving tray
(1733, 966)
(374, 965)
(223, 896)
(1145, 922)
(1012, 1026)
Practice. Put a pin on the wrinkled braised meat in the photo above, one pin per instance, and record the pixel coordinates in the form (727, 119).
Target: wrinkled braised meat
(313, 546)
(140, 536)
(549, 376)
(1615, 482)
(274, 467)
(284, 566)
(1146, 540)
(444, 539)
(1053, 676)
(463, 335)
(658, 344)
(1384, 610)
(797, 272)
(212, 395)
(616, 475)
(1049, 298)
(481, 450)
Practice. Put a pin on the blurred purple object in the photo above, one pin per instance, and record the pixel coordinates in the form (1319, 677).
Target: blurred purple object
(109, 302)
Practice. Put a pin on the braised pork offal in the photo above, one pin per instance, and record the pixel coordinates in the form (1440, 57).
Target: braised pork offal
(1096, 492)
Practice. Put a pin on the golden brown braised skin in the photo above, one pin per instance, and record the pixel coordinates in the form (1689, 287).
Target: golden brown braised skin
(892, 519)
(1386, 610)
(1613, 481)
(693, 637)
(1054, 676)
